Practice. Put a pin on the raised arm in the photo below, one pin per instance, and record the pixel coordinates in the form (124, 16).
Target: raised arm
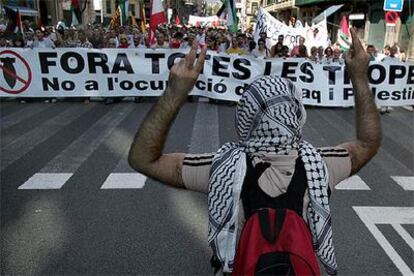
(146, 152)
(368, 126)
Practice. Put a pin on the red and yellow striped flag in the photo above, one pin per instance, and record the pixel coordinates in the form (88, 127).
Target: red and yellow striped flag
(143, 17)
(116, 18)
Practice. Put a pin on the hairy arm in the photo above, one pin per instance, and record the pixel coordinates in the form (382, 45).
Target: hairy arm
(368, 125)
(146, 152)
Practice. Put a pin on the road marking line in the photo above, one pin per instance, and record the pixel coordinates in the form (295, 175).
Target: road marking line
(404, 234)
(352, 183)
(26, 113)
(387, 215)
(124, 181)
(406, 182)
(80, 149)
(205, 135)
(17, 148)
(43, 181)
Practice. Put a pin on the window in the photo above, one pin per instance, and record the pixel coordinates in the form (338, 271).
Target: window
(255, 6)
(131, 9)
(108, 7)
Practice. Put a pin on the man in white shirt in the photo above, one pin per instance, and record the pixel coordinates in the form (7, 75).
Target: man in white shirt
(41, 41)
(256, 135)
(187, 43)
(161, 43)
(137, 41)
(393, 55)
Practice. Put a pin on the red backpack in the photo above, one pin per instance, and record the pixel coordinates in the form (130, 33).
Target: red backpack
(275, 240)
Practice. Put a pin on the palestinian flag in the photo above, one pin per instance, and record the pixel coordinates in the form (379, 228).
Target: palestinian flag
(123, 10)
(76, 13)
(228, 11)
(344, 37)
(39, 22)
(15, 22)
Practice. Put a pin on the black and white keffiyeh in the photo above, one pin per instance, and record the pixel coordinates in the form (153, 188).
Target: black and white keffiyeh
(269, 119)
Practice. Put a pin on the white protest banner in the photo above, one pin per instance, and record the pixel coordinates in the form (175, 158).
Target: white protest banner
(84, 72)
(208, 21)
(317, 35)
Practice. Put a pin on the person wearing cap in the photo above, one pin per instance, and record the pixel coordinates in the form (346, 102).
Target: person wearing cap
(269, 120)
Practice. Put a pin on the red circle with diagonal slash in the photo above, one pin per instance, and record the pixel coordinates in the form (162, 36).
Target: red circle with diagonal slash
(391, 17)
(25, 82)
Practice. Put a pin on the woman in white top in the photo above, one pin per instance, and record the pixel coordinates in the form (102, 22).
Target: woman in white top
(261, 50)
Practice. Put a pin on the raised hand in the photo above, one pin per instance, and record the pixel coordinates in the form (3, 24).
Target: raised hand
(357, 59)
(184, 75)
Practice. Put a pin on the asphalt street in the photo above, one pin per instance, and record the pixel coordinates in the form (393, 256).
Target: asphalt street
(70, 204)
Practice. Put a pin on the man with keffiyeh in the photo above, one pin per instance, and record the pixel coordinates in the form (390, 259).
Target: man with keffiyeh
(269, 121)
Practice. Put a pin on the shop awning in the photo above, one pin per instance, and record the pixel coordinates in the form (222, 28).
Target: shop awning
(24, 11)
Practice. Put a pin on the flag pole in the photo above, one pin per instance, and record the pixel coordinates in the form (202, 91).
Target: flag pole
(1, 11)
(102, 14)
(21, 23)
(332, 24)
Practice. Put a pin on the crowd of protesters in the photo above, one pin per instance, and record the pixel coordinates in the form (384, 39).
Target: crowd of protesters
(182, 37)
(216, 39)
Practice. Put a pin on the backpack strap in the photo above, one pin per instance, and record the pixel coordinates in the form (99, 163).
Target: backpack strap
(269, 232)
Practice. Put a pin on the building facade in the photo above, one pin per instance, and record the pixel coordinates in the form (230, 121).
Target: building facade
(367, 16)
(104, 9)
(281, 9)
(251, 10)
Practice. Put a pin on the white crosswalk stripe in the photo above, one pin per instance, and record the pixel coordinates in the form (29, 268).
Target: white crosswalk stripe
(352, 183)
(124, 181)
(133, 180)
(396, 216)
(406, 182)
(16, 118)
(205, 138)
(53, 181)
(43, 181)
(72, 157)
(21, 145)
